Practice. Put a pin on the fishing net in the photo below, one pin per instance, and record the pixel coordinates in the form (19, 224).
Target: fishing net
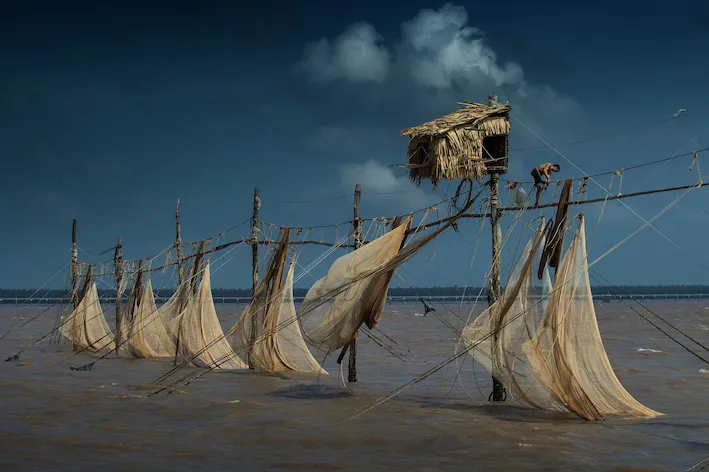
(148, 336)
(551, 355)
(278, 344)
(352, 293)
(290, 345)
(124, 317)
(86, 327)
(201, 338)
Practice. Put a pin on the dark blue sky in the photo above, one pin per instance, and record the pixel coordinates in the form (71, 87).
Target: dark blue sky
(110, 111)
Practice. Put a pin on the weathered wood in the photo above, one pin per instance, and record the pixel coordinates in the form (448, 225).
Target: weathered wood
(139, 284)
(254, 273)
(178, 245)
(557, 240)
(87, 281)
(493, 293)
(197, 268)
(74, 266)
(118, 265)
(357, 230)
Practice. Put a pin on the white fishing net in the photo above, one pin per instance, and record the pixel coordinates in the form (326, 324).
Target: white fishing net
(86, 326)
(201, 338)
(336, 305)
(278, 344)
(148, 335)
(551, 355)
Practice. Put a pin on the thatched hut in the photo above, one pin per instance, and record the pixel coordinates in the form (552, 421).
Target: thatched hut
(465, 144)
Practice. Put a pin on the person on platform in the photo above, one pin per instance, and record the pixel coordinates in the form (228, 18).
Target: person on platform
(540, 173)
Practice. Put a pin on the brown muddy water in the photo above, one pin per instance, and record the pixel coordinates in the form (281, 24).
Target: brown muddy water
(55, 419)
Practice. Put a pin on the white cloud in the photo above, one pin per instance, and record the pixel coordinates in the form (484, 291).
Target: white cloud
(355, 55)
(438, 51)
(380, 181)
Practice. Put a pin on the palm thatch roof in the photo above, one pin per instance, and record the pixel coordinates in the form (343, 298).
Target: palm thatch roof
(451, 147)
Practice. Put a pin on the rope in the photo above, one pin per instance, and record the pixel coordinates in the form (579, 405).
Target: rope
(610, 172)
(640, 126)
(322, 301)
(667, 238)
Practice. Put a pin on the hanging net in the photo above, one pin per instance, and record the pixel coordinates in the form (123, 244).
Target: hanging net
(352, 293)
(123, 313)
(86, 327)
(201, 339)
(545, 346)
(148, 336)
(278, 344)
(290, 345)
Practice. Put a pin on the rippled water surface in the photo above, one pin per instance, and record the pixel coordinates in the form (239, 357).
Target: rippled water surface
(53, 418)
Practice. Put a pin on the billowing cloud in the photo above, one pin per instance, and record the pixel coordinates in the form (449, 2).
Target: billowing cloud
(380, 181)
(355, 55)
(440, 51)
(437, 51)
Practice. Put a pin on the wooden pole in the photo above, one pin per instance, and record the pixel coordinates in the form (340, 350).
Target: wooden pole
(357, 229)
(74, 266)
(183, 293)
(118, 263)
(254, 272)
(178, 245)
(493, 293)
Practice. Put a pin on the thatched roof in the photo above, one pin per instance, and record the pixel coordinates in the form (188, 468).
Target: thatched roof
(470, 114)
(451, 147)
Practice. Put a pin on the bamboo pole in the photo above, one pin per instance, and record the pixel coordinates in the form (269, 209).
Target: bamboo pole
(357, 227)
(493, 293)
(74, 266)
(118, 264)
(254, 272)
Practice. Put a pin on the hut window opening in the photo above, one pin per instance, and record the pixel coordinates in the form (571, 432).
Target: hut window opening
(495, 151)
(420, 154)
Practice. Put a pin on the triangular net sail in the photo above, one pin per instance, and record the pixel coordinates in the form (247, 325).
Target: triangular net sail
(278, 343)
(148, 336)
(281, 346)
(290, 345)
(201, 338)
(556, 361)
(86, 326)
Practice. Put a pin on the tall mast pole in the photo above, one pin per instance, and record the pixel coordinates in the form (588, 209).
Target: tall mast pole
(254, 273)
(357, 227)
(494, 290)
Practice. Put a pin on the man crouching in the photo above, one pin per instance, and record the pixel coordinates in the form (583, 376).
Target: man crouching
(543, 170)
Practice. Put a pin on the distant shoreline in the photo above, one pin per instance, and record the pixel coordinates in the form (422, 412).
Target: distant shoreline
(425, 292)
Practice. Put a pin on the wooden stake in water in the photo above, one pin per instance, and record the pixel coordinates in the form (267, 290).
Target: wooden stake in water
(357, 227)
(493, 294)
(254, 271)
(118, 266)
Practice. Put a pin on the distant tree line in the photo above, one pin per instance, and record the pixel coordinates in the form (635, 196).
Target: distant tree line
(394, 291)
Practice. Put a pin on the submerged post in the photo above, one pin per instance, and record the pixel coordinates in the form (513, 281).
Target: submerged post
(178, 245)
(74, 266)
(493, 293)
(357, 229)
(118, 265)
(254, 271)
